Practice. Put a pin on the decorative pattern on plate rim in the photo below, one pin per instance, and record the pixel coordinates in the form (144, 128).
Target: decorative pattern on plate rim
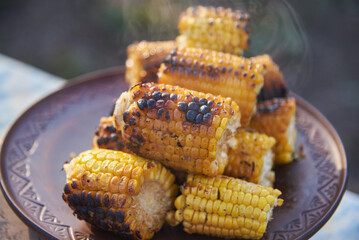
(327, 181)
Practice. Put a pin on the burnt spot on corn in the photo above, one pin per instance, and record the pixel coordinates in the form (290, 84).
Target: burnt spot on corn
(142, 104)
(75, 184)
(67, 189)
(191, 115)
(132, 121)
(120, 216)
(182, 106)
(126, 115)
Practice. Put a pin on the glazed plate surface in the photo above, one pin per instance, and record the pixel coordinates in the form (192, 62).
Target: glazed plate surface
(41, 140)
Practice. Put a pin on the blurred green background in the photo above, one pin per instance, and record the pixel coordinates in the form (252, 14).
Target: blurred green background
(318, 52)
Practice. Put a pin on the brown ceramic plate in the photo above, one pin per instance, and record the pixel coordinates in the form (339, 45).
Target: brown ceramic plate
(41, 140)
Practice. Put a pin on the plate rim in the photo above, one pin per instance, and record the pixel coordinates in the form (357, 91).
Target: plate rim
(118, 70)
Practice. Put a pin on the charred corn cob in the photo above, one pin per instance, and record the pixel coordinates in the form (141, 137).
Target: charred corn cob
(274, 85)
(276, 118)
(217, 73)
(119, 192)
(144, 59)
(225, 207)
(107, 137)
(181, 128)
(219, 29)
(252, 160)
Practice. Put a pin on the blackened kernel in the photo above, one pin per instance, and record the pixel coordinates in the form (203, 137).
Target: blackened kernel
(209, 68)
(105, 140)
(91, 200)
(167, 116)
(126, 116)
(132, 121)
(173, 96)
(160, 103)
(75, 184)
(196, 100)
(219, 104)
(165, 96)
(98, 198)
(138, 114)
(126, 227)
(195, 64)
(120, 145)
(182, 106)
(76, 199)
(156, 95)
(151, 103)
(113, 136)
(138, 234)
(236, 72)
(97, 131)
(99, 141)
(199, 118)
(110, 128)
(120, 216)
(230, 70)
(195, 72)
(160, 112)
(204, 109)
(241, 66)
(202, 66)
(224, 70)
(202, 74)
(210, 103)
(111, 214)
(207, 117)
(99, 213)
(193, 106)
(67, 189)
(191, 115)
(126, 127)
(252, 76)
(141, 103)
(245, 74)
(166, 70)
(202, 101)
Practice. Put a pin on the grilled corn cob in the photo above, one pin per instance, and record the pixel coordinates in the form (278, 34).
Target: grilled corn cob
(274, 85)
(107, 137)
(217, 73)
(181, 128)
(119, 192)
(252, 160)
(144, 59)
(225, 207)
(276, 118)
(219, 29)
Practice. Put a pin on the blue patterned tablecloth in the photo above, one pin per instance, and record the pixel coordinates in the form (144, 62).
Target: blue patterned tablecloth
(22, 85)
